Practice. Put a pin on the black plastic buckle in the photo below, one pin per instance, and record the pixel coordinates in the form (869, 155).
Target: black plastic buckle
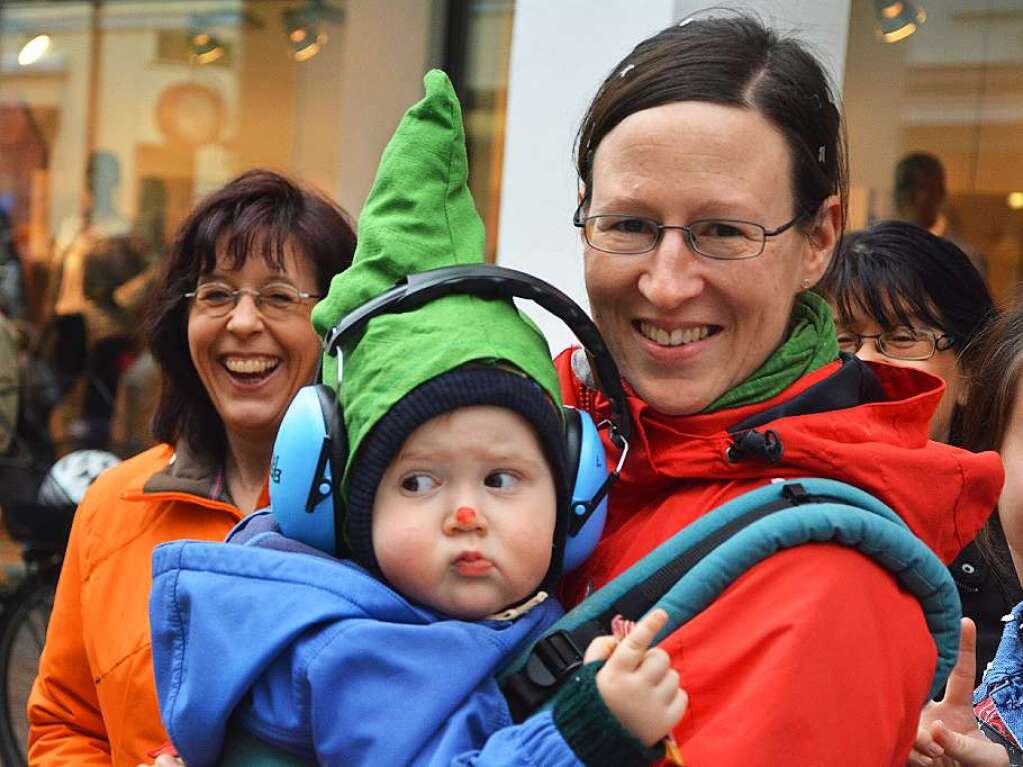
(795, 493)
(554, 658)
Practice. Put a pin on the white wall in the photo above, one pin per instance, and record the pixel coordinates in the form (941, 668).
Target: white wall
(561, 52)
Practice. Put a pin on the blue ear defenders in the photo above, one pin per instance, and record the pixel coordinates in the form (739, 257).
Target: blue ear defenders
(311, 449)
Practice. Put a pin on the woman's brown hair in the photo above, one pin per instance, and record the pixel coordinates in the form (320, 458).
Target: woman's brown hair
(733, 61)
(258, 213)
(992, 388)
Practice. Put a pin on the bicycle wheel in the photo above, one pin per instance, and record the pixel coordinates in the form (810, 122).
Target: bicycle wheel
(22, 635)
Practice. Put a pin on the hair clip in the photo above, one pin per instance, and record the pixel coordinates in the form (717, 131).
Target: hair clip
(625, 70)
(820, 154)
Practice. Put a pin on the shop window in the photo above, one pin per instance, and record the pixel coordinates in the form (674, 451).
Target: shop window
(133, 109)
(952, 91)
(110, 130)
(477, 54)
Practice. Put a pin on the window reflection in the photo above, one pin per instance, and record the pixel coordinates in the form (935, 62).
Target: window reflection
(951, 92)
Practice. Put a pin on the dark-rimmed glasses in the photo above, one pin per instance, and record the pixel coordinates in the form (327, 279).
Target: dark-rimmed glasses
(724, 239)
(906, 344)
(274, 301)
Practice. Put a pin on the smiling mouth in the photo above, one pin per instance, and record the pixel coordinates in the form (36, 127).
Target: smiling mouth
(250, 369)
(678, 336)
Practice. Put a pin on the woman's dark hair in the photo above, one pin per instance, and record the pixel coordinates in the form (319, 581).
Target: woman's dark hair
(732, 61)
(258, 213)
(990, 397)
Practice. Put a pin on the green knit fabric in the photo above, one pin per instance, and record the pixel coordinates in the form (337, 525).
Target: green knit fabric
(242, 749)
(420, 215)
(811, 344)
(591, 730)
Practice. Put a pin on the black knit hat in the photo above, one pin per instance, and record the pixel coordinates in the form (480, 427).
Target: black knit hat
(463, 387)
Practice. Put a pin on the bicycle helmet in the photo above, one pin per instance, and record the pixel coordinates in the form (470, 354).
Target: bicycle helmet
(67, 479)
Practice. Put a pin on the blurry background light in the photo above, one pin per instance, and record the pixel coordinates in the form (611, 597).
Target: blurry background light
(304, 26)
(898, 19)
(206, 48)
(33, 50)
(1015, 200)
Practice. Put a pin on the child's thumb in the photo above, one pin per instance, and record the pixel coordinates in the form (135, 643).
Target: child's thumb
(600, 649)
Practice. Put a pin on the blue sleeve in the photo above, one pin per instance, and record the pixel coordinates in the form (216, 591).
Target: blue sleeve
(534, 742)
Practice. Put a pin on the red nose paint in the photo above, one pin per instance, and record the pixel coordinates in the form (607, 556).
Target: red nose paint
(465, 515)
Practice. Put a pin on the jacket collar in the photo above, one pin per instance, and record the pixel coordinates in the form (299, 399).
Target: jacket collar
(188, 473)
(879, 445)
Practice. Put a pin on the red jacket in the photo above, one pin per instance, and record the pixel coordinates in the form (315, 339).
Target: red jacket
(813, 657)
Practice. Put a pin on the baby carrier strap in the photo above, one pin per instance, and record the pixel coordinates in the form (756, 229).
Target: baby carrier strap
(691, 569)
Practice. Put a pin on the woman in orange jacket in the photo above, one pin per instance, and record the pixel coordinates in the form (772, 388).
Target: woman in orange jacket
(712, 195)
(230, 332)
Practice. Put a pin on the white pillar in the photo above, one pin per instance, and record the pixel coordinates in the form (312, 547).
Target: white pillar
(561, 52)
(387, 50)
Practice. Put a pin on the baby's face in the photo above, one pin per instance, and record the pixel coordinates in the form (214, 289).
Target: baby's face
(464, 517)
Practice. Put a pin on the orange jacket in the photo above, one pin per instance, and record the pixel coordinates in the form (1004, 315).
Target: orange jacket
(94, 701)
(814, 656)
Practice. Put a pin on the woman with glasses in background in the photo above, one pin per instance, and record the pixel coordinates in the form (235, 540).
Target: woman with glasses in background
(906, 297)
(712, 193)
(229, 329)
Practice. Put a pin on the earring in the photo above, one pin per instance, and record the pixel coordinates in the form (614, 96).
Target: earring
(806, 283)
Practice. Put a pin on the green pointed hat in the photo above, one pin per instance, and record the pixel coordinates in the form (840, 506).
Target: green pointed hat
(420, 215)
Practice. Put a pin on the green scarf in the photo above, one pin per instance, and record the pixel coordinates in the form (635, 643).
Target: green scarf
(811, 344)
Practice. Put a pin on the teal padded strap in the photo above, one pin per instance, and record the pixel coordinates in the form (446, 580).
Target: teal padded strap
(891, 545)
(851, 517)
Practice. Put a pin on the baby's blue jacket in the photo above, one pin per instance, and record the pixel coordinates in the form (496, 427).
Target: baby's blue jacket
(316, 656)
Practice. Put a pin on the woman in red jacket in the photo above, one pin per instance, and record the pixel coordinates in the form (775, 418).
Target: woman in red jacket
(713, 193)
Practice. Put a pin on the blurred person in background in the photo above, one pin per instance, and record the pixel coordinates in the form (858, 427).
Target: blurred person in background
(12, 277)
(229, 329)
(905, 297)
(921, 198)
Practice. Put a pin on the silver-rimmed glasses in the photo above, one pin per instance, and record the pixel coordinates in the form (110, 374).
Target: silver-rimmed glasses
(900, 344)
(725, 239)
(274, 301)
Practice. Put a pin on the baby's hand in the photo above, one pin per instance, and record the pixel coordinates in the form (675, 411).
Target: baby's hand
(637, 683)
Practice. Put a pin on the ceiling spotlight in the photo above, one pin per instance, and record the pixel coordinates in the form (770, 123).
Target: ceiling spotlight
(205, 48)
(304, 26)
(898, 19)
(33, 50)
(306, 42)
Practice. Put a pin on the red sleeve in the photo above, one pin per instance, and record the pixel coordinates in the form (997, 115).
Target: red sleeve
(63, 709)
(814, 657)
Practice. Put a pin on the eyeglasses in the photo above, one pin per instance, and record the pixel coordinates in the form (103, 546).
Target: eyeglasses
(724, 239)
(901, 344)
(274, 301)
